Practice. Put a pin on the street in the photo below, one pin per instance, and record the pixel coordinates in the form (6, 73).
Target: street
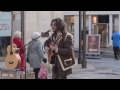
(105, 68)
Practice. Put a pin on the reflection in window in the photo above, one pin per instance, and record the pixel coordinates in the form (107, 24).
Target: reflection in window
(69, 20)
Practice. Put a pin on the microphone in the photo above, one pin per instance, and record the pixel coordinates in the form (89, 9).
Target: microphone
(47, 31)
(43, 33)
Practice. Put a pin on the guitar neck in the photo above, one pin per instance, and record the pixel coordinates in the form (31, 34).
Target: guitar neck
(11, 31)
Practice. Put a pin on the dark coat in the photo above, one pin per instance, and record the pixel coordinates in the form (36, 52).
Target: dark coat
(65, 57)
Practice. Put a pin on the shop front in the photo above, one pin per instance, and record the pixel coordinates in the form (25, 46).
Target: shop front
(69, 20)
(103, 23)
(72, 25)
(102, 30)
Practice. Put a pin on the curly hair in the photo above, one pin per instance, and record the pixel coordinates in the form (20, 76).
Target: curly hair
(59, 24)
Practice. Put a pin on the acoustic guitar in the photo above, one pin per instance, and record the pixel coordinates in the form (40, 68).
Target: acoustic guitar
(13, 60)
(50, 52)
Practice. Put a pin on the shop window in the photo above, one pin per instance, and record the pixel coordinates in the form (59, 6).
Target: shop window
(69, 20)
(103, 18)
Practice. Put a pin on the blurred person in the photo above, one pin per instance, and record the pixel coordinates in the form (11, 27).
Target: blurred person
(116, 43)
(35, 54)
(87, 31)
(60, 46)
(19, 43)
(1, 54)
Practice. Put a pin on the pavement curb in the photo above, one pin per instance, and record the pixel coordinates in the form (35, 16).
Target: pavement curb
(78, 67)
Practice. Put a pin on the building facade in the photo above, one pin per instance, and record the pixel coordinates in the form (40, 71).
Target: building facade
(103, 23)
(97, 22)
(72, 23)
(34, 21)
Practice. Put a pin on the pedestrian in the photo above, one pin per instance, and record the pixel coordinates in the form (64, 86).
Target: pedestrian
(60, 46)
(1, 54)
(19, 43)
(87, 31)
(116, 42)
(35, 54)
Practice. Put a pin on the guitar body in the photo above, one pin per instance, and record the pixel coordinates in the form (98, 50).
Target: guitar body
(13, 60)
(49, 54)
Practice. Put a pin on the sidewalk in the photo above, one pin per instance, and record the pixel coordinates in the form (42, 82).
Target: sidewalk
(108, 50)
(105, 68)
(76, 69)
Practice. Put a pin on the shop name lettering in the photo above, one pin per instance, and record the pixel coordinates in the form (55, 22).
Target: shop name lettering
(7, 75)
(4, 27)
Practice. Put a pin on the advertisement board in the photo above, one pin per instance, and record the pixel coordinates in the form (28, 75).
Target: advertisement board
(93, 44)
(5, 24)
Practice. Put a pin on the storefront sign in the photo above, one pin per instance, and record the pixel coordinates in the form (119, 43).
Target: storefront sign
(93, 44)
(5, 24)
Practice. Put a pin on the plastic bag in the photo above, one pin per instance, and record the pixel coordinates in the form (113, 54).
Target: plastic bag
(43, 72)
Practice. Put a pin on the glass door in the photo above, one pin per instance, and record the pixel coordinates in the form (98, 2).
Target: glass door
(69, 20)
(102, 29)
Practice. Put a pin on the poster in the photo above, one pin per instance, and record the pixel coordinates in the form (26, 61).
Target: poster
(93, 44)
(5, 24)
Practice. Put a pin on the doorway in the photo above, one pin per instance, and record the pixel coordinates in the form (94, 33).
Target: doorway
(102, 29)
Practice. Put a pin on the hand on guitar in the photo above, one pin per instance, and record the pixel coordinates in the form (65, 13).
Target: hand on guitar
(54, 48)
(47, 49)
(17, 50)
(14, 45)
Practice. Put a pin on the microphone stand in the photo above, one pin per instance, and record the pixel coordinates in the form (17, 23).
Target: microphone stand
(29, 43)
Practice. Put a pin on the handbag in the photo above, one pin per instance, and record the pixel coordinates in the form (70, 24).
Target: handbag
(27, 59)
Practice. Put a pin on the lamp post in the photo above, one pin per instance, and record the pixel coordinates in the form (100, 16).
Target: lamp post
(84, 62)
(22, 25)
(52, 15)
(80, 37)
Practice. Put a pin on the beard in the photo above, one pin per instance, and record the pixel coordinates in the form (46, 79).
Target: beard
(54, 31)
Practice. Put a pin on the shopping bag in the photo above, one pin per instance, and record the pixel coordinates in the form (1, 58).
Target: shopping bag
(43, 72)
